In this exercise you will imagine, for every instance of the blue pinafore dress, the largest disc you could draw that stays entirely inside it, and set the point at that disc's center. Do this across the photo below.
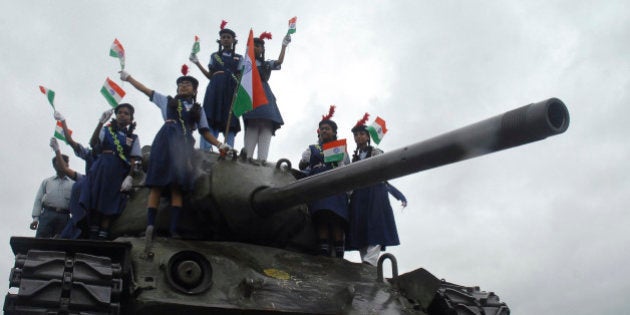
(220, 91)
(371, 216)
(338, 203)
(101, 190)
(270, 110)
(172, 149)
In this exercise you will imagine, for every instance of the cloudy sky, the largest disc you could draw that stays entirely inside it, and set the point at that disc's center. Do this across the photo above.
(541, 225)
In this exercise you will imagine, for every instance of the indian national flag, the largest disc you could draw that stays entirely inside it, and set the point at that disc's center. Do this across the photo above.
(196, 48)
(50, 95)
(334, 151)
(59, 132)
(112, 92)
(292, 23)
(117, 51)
(250, 92)
(377, 130)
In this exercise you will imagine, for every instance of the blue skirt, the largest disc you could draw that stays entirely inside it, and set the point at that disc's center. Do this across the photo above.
(170, 161)
(103, 185)
(371, 219)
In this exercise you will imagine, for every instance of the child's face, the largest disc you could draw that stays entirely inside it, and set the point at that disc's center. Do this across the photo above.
(186, 88)
(123, 116)
(227, 40)
(361, 138)
(259, 49)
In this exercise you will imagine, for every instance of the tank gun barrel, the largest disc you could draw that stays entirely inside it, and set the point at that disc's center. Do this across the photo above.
(522, 125)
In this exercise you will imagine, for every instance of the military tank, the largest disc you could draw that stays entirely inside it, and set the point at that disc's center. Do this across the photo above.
(248, 243)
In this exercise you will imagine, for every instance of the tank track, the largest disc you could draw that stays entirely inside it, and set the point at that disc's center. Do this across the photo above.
(58, 282)
(452, 299)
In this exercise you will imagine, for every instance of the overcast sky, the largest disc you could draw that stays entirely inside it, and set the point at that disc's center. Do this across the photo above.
(542, 225)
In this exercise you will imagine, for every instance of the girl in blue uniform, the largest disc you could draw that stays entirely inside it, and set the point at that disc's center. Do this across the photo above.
(330, 214)
(171, 152)
(372, 226)
(223, 69)
(262, 122)
(110, 175)
(77, 226)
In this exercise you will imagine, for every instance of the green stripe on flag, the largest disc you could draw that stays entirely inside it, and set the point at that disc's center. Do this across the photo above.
(110, 99)
(243, 102)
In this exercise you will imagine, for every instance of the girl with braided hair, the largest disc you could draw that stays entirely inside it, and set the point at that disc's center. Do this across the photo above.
(372, 226)
(223, 73)
(262, 122)
(170, 165)
(111, 173)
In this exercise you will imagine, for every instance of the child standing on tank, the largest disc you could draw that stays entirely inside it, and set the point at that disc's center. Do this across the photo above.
(170, 164)
(223, 71)
(111, 173)
(262, 122)
(77, 226)
(372, 226)
(330, 214)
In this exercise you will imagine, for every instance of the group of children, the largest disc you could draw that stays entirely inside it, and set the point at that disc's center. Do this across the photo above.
(362, 222)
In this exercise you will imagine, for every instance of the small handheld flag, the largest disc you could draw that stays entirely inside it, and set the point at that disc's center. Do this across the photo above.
(334, 151)
(50, 95)
(59, 132)
(377, 130)
(112, 92)
(292, 22)
(117, 51)
(196, 48)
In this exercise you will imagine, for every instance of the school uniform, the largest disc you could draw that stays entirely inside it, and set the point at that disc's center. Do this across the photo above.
(173, 145)
(108, 171)
(372, 226)
(220, 91)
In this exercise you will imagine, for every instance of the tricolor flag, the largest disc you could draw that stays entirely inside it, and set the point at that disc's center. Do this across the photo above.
(334, 151)
(117, 51)
(112, 92)
(292, 28)
(250, 92)
(196, 48)
(50, 95)
(59, 132)
(377, 130)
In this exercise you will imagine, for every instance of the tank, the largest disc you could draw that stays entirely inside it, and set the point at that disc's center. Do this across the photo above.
(248, 244)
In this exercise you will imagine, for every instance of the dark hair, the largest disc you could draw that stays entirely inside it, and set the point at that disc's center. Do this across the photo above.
(63, 156)
(132, 125)
(188, 78)
(231, 32)
(258, 41)
(128, 106)
(329, 122)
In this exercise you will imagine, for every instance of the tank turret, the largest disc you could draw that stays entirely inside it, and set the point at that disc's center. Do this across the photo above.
(237, 206)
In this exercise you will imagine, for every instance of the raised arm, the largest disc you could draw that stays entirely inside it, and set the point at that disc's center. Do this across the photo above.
(58, 116)
(193, 58)
(125, 76)
(285, 43)
(95, 140)
(61, 163)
